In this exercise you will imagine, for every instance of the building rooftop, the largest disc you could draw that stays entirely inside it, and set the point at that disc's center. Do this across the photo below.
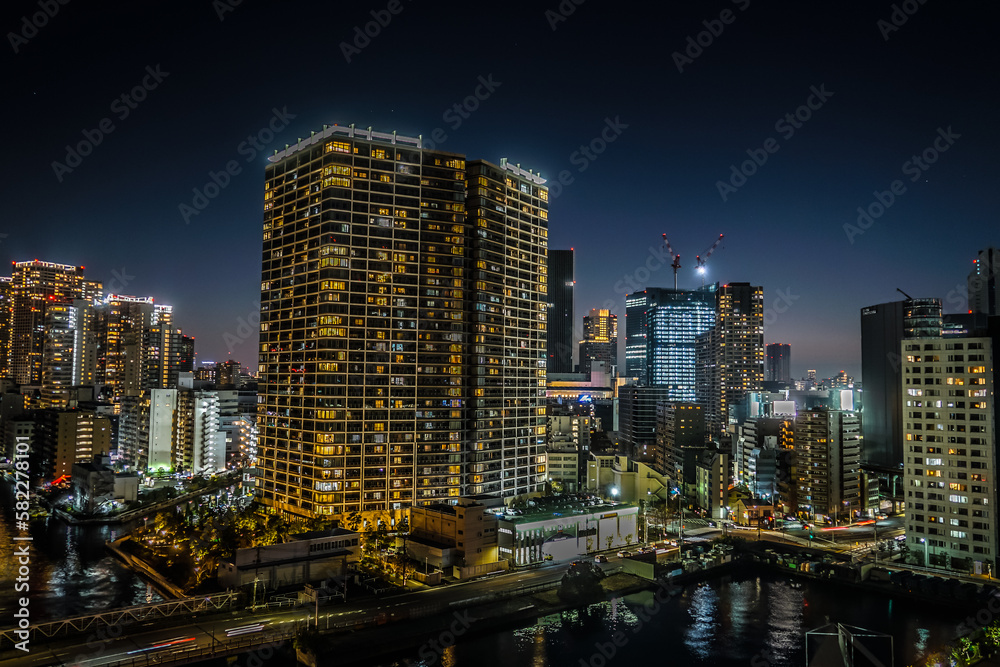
(567, 507)
(320, 534)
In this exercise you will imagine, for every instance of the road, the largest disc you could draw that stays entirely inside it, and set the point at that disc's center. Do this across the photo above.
(202, 631)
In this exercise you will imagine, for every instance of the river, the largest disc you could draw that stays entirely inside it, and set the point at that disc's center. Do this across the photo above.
(71, 573)
(732, 621)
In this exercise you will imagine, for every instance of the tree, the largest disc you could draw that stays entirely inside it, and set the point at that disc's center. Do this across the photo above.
(992, 634)
(609, 539)
(353, 521)
(628, 539)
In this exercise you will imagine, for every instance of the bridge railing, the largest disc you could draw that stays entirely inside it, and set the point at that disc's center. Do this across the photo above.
(124, 616)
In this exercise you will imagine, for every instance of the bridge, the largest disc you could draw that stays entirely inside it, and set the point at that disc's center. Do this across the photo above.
(123, 616)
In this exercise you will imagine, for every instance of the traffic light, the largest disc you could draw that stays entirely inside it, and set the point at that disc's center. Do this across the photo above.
(811, 534)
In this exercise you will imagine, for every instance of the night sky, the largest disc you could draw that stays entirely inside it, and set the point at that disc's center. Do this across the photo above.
(886, 93)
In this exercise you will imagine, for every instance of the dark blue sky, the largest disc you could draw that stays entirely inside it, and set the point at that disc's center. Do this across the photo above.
(118, 210)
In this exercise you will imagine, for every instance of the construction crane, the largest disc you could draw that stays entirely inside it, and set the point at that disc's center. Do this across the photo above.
(675, 259)
(700, 262)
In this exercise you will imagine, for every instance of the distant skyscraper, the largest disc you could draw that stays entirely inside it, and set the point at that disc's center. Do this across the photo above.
(600, 340)
(404, 362)
(35, 285)
(984, 297)
(185, 357)
(561, 287)
(227, 374)
(779, 362)
(667, 322)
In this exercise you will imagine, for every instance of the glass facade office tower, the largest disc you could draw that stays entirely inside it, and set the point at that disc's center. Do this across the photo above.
(403, 322)
(561, 287)
(668, 322)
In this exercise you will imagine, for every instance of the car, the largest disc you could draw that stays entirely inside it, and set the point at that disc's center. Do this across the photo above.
(547, 557)
(711, 524)
(601, 559)
(624, 554)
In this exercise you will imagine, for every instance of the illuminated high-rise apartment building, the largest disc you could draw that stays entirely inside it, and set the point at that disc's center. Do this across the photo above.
(402, 342)
(34, 287)
(600, 340)
(69, 352)
(740, 327)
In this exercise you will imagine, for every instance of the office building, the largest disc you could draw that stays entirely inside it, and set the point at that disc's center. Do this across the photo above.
(662, 327)
(883, 328)
(680, 440)
(600, 340)
(567, 449)
(984, 298)
(951, 457)
(560, 291)
(403, 324)
(637, 406)
(779, 363)
(444, 535)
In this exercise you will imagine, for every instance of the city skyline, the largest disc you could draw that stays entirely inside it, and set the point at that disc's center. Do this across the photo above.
(861, 91)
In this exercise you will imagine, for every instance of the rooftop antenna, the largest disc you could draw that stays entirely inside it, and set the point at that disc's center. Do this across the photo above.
(904, 294)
